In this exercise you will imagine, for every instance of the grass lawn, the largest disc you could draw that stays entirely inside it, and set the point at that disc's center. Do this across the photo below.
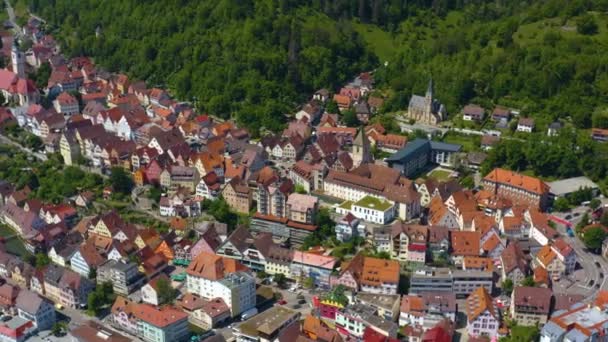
(469, 142)
(533, 33)
(381, 42)
(15, 245)
(440, 175)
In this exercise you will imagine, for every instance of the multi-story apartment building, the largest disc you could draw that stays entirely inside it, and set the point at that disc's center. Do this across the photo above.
(302, 208)
(465, 282)
(530, 306)
(314, 266)
(272, 199)
(124, 276)
(460, 282)
(519, 188)
(211, 276)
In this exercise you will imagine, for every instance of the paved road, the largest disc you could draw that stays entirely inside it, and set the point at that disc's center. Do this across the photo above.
(586, 259)
(7, 141)
(12, 18)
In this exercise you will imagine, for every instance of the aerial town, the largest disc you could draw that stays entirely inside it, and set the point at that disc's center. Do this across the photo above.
(128, 215)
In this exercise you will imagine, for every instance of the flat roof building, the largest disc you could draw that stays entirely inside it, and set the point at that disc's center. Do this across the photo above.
(266, 326)
(565, 187)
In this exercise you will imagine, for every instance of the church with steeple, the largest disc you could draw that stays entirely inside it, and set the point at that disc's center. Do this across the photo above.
(361, 152)
(14, 84)
(426, 109)
(17, 60)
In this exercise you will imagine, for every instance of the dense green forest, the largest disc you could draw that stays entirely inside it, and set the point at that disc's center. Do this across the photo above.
(256, 59)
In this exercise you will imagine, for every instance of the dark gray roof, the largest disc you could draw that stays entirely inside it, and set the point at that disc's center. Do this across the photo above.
(411, 149)
(53, 274)
(438, 145)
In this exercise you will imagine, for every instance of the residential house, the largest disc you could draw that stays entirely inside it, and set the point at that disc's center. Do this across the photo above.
(482, 317)
(525, 125)
(464, 244)
(39, 310)
(86, 259)
(278, 260)
(301, 208)
(74, 289)
(205, 314)
(149, 292)
(599, 134)
(514, 263)
(530, 306)
(348, 227)
(66, 104)
(473, 112)
(369, 275)
(238, 195)
(427, 308)
(354, 319)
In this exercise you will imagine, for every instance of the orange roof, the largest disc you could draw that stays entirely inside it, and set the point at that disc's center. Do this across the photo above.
(342, 100)
(336, 130)
(546, 255)
(159, 317)
(377, 271)
(465, 243)
(437, 211)
(214, 267)
(517, 180)
(478, 302)
(471, 262)
(491, 243)
(178, 223)
(541, 276)
(484, 223)
(412, 304)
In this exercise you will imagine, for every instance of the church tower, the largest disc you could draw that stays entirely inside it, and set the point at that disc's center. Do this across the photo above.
(18, 60)
(428, 98)
(361, 153)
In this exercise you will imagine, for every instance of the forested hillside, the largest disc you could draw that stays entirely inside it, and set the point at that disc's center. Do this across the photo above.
(256, 59)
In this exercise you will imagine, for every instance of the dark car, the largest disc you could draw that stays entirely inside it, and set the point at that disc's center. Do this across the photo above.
(597, 286)
(591, 282)
(568, 217)
(597, 264)
(601, 275)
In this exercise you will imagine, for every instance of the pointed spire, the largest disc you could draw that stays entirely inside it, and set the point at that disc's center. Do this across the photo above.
(429, 89)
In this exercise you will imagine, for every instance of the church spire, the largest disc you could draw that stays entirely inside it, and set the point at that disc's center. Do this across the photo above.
(361, 153)
(17, 60)
(429, 89)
